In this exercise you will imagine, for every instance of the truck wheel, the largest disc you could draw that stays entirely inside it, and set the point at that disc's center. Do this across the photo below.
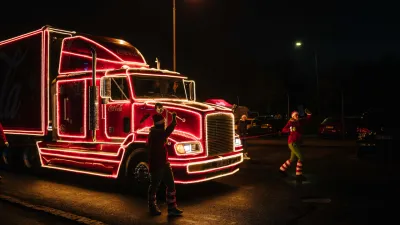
(5, 156)
(138, 173)
(30, 158)
(9, 158)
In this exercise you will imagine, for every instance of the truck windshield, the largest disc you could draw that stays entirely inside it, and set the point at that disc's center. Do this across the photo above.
(158, 87)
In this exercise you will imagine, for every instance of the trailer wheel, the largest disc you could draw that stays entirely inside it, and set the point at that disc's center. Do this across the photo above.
(138, 173)
(30, 158)
(9, 158)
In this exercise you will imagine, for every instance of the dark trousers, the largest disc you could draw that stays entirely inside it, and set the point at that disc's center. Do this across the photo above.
(244, 143)
(166, 176)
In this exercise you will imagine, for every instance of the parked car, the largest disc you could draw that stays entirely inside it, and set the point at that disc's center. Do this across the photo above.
(260, 125)
(333, 127)
(377, 134)
(266, 124)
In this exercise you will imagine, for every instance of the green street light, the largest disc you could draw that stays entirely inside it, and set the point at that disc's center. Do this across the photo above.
(298, 44)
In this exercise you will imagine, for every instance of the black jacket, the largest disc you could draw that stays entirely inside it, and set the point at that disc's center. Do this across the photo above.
(242, 128)
(156, 144)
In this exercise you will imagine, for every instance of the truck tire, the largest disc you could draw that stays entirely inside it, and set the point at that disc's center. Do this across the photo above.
(7, 157)
(3, 162)
(30, 158)
(137, 171)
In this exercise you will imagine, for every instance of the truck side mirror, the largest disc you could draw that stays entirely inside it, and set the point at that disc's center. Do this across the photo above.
(190, 89)
(234, 107)
(105, 88)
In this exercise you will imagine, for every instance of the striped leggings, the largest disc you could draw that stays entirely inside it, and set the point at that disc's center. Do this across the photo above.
(295, 153)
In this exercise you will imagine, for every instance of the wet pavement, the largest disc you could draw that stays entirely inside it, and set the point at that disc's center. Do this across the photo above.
(341, 190)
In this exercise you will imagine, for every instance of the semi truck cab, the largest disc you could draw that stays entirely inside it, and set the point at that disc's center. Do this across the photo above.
(92, 112)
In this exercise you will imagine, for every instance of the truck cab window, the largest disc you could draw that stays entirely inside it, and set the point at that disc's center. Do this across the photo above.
(158, 87)
(119, 88)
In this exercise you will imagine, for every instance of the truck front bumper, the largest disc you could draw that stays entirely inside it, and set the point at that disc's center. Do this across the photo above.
(187, 172)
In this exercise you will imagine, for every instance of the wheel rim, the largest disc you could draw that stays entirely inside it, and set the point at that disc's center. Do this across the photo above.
(141, 173)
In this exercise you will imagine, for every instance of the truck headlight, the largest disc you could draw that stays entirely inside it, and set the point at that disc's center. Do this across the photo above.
(238, 142)
(187, 148)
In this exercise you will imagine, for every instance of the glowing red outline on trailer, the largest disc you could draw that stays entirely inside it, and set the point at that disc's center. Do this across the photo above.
(42, 92)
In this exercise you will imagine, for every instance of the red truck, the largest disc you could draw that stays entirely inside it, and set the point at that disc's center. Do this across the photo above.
(79, 103)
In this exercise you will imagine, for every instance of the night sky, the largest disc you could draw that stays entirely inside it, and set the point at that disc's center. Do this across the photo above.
(226, 45)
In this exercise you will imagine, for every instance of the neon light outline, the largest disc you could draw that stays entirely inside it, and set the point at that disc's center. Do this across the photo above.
(83, 158)
(233, 128)
(207, 179)
(102, 47)
(214, 160)
(84, 109)
(131, 137)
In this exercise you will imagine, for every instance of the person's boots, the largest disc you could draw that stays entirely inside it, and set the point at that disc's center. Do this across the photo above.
(175, 211)
(154, 210)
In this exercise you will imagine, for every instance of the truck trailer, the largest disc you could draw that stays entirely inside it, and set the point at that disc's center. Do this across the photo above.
(76, 102)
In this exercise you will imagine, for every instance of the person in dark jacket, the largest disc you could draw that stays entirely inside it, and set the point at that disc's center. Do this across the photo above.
(3, 137)
(160, 169)
(294, 127)
(242, 128)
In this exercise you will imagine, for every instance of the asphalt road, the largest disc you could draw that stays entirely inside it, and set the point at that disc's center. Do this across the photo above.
(14, 214)
(341, 190)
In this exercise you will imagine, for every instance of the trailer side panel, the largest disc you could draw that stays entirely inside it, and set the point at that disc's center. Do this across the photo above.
(21, 84)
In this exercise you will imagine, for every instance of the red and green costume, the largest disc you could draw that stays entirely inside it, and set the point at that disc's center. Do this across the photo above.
(294, 128)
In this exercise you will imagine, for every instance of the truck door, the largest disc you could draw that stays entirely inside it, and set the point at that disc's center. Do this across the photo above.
(72, 108)
(117, 112)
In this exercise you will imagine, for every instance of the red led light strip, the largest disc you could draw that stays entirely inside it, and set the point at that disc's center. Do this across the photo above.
(44, 77)
(187, 165)
(114, 175)
(206, 179)
(84, 107)
(121, 61)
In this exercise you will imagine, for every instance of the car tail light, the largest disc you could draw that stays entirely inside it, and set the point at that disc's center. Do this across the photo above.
(363, 130)
(363, 133)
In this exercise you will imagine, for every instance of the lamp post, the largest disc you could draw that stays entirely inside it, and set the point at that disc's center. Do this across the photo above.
(298, 44)
(174, 32)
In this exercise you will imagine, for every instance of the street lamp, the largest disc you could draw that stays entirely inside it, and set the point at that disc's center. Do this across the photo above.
(174, 32)
(298, 44)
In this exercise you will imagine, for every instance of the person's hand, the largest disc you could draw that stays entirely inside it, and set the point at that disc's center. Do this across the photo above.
(307, 111)
(6, 143)
(173, 116)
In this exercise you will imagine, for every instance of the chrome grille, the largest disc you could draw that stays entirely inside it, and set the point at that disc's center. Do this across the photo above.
(220, 133)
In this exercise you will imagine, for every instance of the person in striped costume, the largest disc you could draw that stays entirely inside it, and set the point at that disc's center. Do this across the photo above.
(294, 128)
